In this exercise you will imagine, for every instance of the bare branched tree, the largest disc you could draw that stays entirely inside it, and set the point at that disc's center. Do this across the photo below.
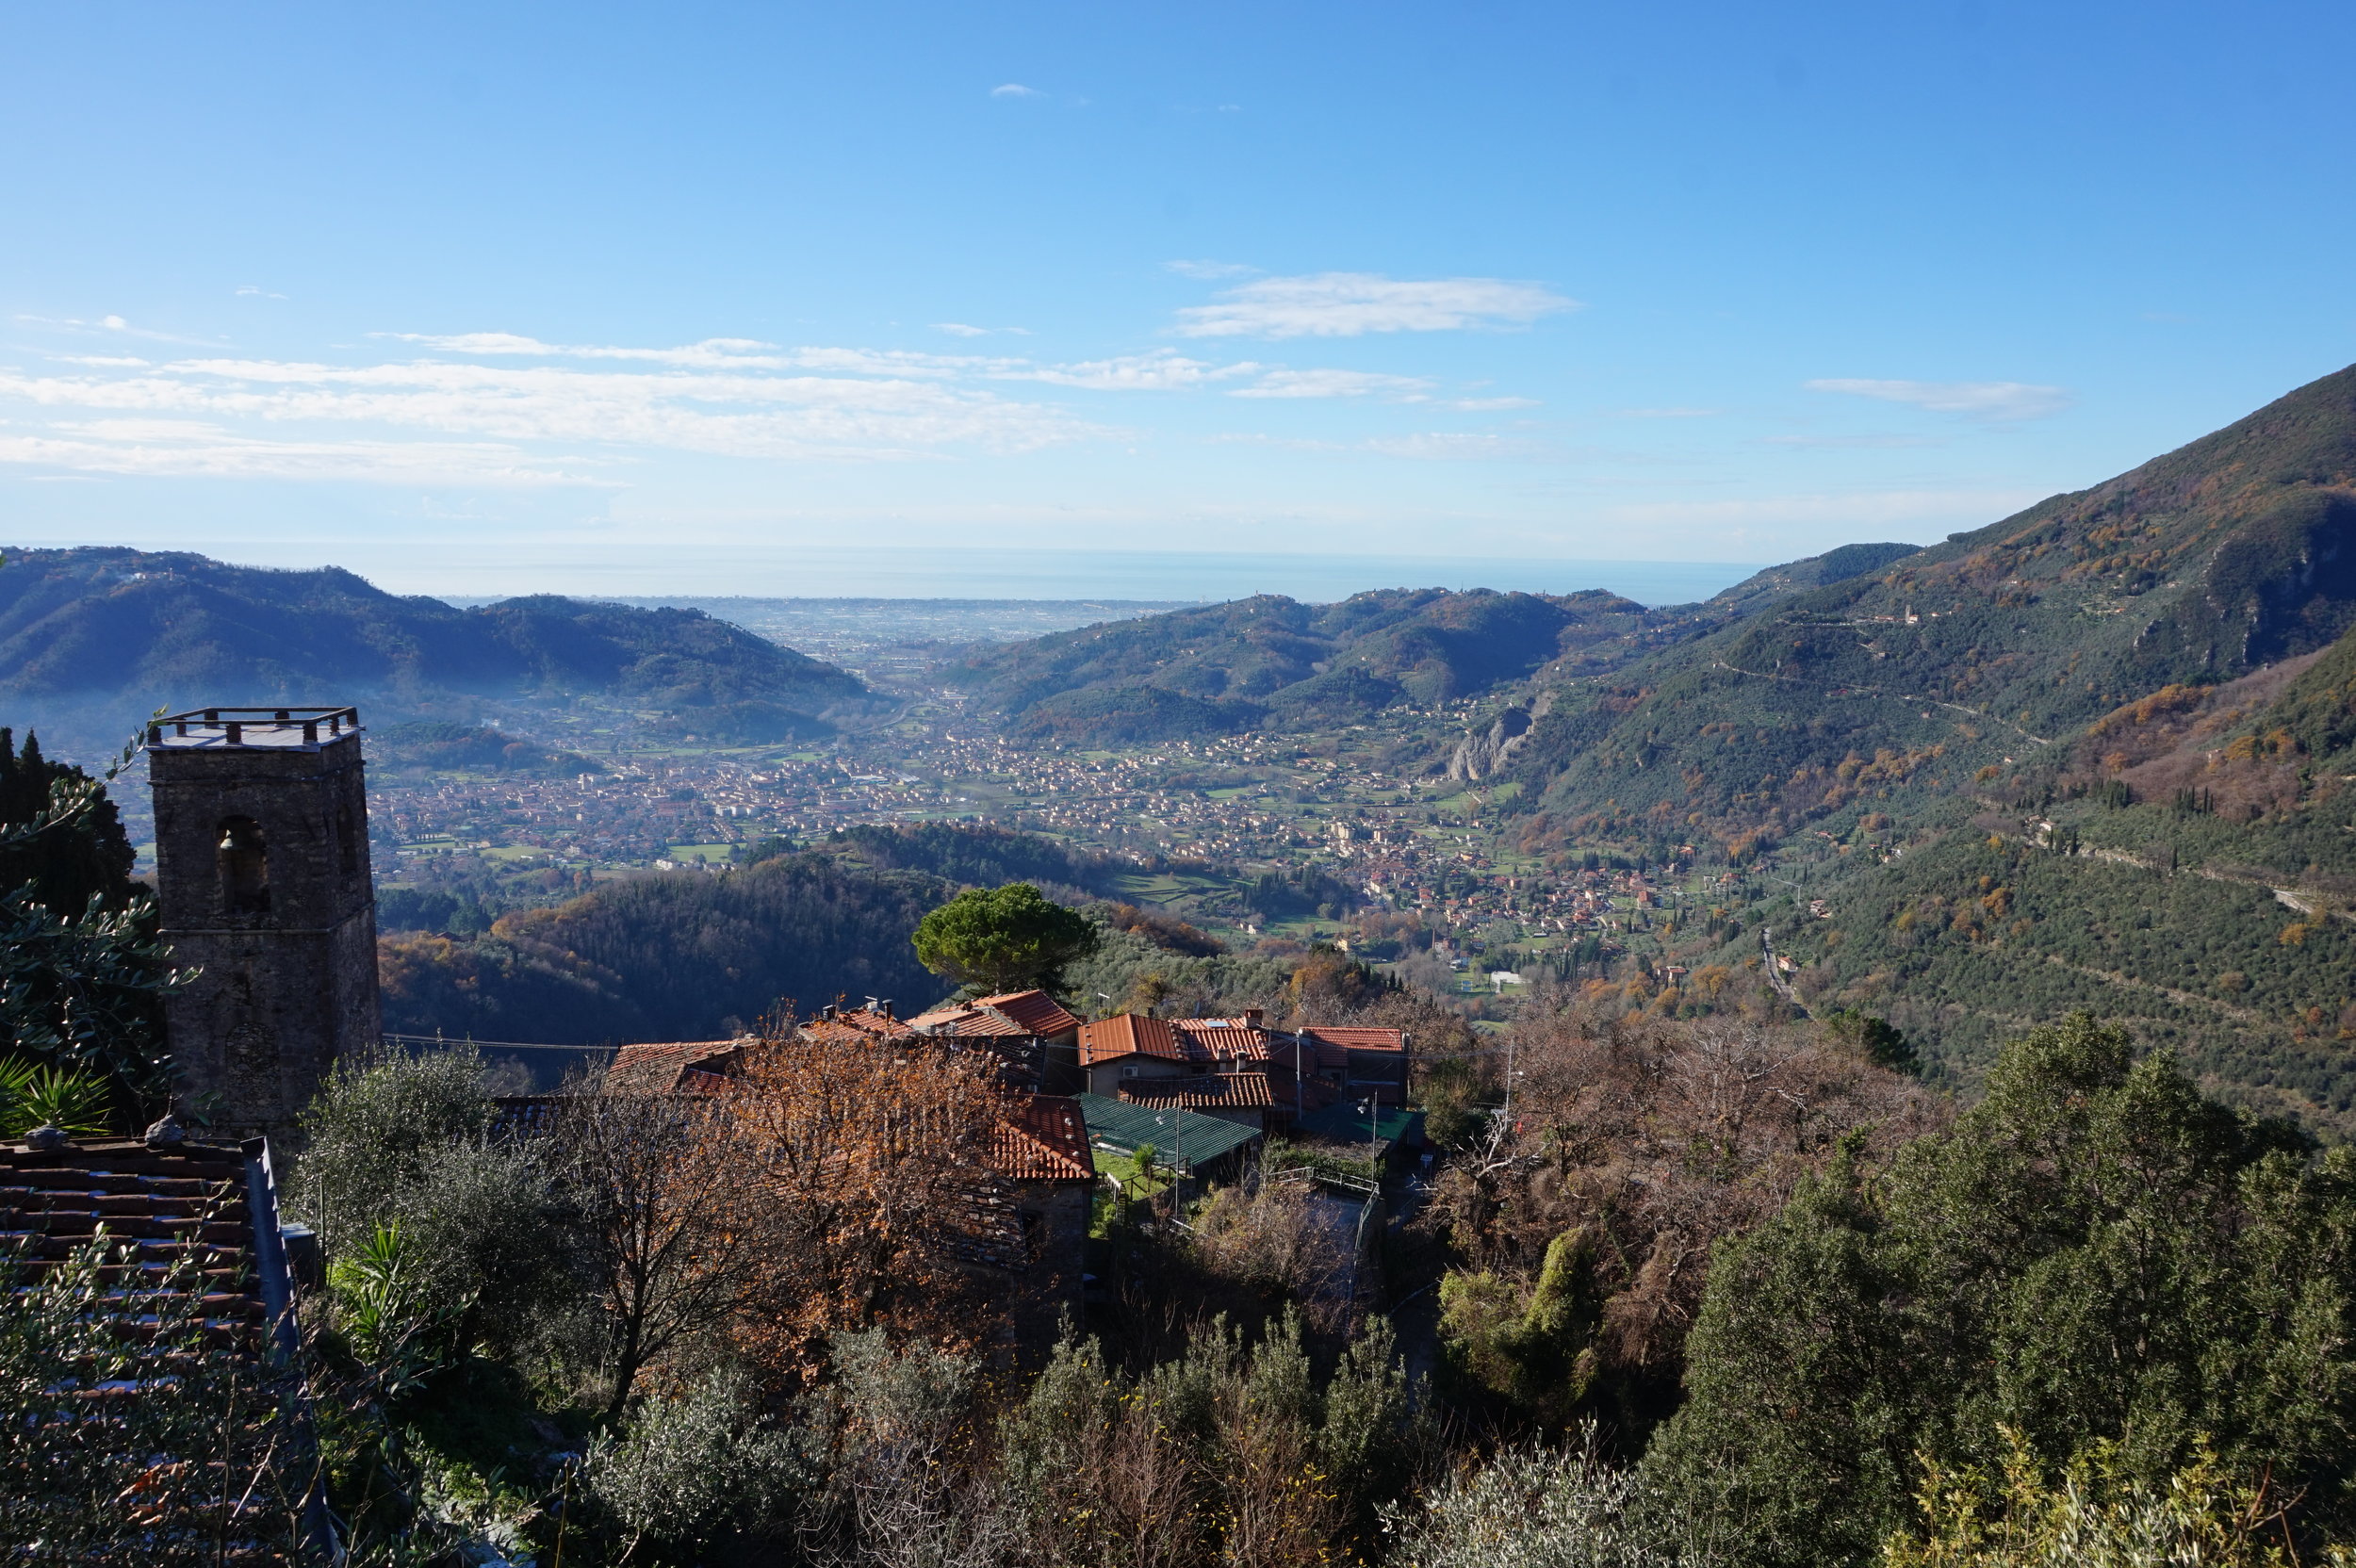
(665, 1195)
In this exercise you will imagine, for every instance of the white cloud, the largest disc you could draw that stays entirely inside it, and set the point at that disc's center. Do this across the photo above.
(1669, 413)
(733, 351)
(190, 449)
(1336, 383)
(1162, 370)
(1345, 304)
(1211, 271)
(1490, 405)
(109, 324)
(1978, 400)
(737, 410)
(259, 292)
(959, 329)
(1015, 90)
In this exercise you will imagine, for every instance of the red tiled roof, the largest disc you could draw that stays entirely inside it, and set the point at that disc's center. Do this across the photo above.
(664, 1069)
(853, 1025)
(1034, 1012)
(1354, 1037)
(1043, 1137)
(967, 1023)
(1129, 1035)
(1220, 1091)
(874, 1022)
(1224, 1038)
(183, 1205)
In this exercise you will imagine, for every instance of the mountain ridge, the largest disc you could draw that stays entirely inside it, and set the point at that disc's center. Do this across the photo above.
(95, 623)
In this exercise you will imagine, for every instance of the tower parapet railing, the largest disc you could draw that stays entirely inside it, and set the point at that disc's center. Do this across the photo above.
(261, 728)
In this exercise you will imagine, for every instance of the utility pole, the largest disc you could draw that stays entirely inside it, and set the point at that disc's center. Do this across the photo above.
(1511, 1039)
(1178, 1156)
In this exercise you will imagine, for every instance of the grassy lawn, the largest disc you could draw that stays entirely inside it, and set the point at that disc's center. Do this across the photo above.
(1123, 1170)
(702, 852)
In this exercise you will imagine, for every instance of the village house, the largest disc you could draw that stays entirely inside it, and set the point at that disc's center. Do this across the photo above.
(1037, 1041)
(1239, 1067)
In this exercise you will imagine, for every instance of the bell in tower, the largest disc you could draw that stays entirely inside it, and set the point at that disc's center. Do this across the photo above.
(262, 881)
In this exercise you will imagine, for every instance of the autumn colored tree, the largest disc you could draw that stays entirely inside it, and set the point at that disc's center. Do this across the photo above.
(873, 1192)
(1003, 939)
(1635, 1145)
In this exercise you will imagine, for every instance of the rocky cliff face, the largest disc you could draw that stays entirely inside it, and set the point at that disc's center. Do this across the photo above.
(1484, 753)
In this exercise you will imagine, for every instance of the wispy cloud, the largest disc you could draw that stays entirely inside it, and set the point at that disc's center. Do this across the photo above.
(1336, 383)
(1209, 271)
(1669, 413)
(1976, 400)
(962, 329)
(196, 449)
(508, 409)
(351, 414)
(256, 291)
(115, 325)
(1161, 371)
(1348, 305)
(1015, 90)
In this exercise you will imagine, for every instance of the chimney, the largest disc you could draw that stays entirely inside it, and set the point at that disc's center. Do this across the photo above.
(1253, 1016)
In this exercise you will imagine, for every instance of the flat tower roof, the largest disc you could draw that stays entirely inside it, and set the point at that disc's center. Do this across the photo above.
(253, 728)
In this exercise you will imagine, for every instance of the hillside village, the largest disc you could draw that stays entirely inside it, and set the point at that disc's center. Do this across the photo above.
(1159, 1109)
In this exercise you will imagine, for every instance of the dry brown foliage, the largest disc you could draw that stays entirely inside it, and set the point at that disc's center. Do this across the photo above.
(1273, 1240)
(875, 1193)
(1657, 1137)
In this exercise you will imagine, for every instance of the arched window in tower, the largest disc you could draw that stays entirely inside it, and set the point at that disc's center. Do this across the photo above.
(244, 862)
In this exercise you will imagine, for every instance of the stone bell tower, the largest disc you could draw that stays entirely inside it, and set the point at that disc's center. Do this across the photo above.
(262, 881)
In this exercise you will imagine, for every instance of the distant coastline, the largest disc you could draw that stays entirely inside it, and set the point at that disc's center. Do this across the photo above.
(1125, 578)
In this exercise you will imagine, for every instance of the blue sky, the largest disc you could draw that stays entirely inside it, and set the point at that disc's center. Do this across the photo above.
(484, 298)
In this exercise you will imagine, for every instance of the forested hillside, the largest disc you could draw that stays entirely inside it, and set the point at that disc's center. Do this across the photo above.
(687, 956)
(142, 627)
(2093, 756)
(1270, 660)
(1227, 668)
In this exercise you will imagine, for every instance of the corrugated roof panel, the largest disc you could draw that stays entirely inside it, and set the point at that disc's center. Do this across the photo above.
(1172, 1133)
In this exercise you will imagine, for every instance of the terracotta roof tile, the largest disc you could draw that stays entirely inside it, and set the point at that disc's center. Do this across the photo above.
(969, 1023)
(1355, 1037)
(1043, 1137)
(1034, 1011)
(190, 1204)
(1220, 1039)
(664, 1069)
(1129, 1035)
(1219, 1090)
